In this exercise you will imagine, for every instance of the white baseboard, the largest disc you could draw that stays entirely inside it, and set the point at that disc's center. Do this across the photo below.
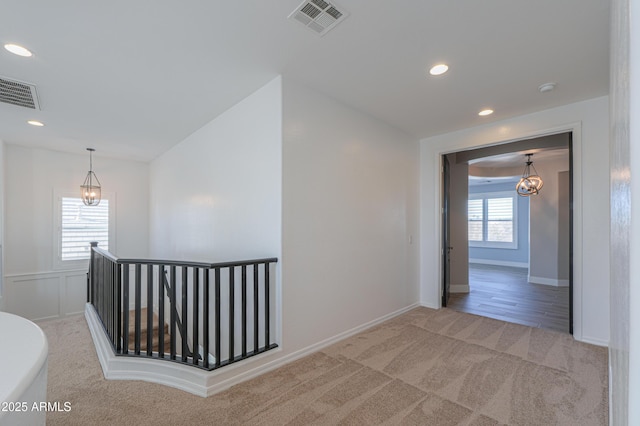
(331, 340)
(307, 351)
(500, 263)
(459, 288)
(548, 281)
(429, 305)
(594, 341)
(194, 380)
(167, 373)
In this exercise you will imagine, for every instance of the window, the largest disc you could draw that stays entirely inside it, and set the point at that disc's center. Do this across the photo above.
(81, 225)
(492, 220)
(77, 225)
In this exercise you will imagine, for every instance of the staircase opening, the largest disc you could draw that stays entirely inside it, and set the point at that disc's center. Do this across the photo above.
(204, 315)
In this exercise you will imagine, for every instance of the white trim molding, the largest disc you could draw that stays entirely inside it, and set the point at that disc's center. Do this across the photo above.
(500, 263)
(548, 281)
(194, 380)
(459, 288)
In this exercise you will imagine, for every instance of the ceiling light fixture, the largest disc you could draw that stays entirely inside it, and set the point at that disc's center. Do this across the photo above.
(35, 123)
(439, 69)
(485, 112)
(18, 50)
(90, 190)
(547, 87)
(529, 184)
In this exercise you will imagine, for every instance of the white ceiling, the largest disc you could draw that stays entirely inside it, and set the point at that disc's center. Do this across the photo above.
(133, 78)
(519, 158)
(508, 168)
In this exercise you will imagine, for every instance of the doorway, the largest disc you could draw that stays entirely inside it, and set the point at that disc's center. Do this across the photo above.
(503, 257)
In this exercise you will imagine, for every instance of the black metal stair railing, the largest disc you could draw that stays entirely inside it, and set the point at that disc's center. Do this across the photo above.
(174, 315)
(207, 315)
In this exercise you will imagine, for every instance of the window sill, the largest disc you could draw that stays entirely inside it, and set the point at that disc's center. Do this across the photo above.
(503, 246)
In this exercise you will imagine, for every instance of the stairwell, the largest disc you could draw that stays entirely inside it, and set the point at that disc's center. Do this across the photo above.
(144, 332)
(200, 331)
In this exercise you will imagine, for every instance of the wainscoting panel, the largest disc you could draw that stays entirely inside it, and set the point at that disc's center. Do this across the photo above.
(45, 295)
(74, 293)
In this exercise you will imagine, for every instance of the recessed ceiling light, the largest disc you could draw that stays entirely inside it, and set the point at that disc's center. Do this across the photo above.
(36, 123)
(18, 50)
(485, 112)
(438, 69)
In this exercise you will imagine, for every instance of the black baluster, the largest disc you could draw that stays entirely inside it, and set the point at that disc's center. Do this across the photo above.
(244, 311)
(196, 321)
(183, 331)
(112, 296)
(90, 277)
(149, 310)
(256, 332)
(118, 309)
(267, 311)
(125, 303)
(206, 317)
(173, 309)
(107, 300)
(217, 313)
(138, 309)
(232, 315)
(100, 288)
(161, 311)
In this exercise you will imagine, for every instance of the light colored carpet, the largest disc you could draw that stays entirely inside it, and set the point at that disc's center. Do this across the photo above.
(425, 367)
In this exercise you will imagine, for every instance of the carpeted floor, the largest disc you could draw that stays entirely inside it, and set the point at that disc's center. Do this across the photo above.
(425, 367)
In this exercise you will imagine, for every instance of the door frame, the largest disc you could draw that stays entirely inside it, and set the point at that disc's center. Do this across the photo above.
(446, 231)
(431, 271)
(446, 194)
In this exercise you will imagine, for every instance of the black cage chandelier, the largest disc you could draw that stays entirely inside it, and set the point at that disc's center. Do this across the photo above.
(90, 190)
(530, 184)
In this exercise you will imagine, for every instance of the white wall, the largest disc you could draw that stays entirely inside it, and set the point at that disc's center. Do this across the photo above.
(589, 122)
(216, 196)
(290, 173)
(544, 226)
(624, 350)
(633, 314)
(349, 218)
(33, 286)
(2, 184)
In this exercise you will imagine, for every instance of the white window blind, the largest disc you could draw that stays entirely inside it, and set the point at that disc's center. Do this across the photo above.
(475, 220)
(492, 220)
(81, 225)
(500, 219)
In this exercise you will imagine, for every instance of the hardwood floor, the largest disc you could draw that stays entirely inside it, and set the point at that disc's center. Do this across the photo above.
(503, 293)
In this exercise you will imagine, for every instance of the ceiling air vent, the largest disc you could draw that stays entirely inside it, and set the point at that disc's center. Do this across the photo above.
(319, 15)
(18, 93)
